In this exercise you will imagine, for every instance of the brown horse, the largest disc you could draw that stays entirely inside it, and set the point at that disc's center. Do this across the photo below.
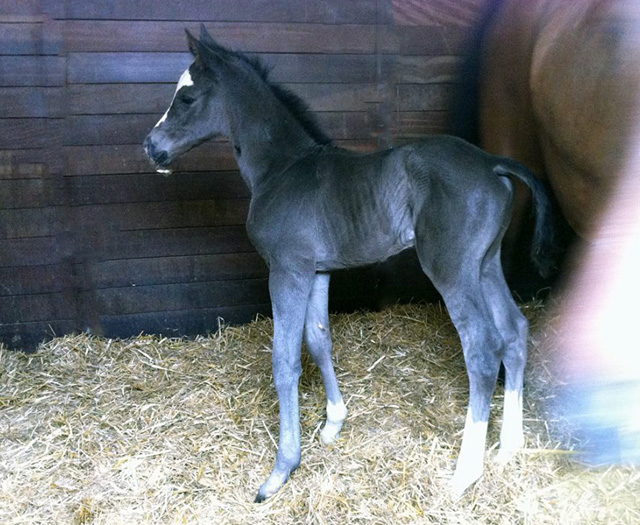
(558, 90)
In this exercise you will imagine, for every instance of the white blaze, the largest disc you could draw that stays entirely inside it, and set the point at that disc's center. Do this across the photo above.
(185, 80)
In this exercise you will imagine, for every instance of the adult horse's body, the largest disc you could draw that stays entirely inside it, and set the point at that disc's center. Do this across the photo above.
(315, 208)
(559, 90)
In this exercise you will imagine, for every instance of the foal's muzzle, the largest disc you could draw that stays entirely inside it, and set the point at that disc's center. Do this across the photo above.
(159, 157)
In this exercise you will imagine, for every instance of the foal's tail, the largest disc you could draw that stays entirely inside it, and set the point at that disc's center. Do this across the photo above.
(542, 245)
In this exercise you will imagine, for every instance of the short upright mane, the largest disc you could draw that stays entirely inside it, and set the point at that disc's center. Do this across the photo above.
(298, 107)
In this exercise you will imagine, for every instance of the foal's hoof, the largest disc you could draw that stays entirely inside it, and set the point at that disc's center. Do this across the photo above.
(336, 414)
(274, 483)
(462, 480)
(506, 454)
(330, 432)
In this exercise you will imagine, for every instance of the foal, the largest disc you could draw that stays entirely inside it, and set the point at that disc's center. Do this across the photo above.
(316, 208)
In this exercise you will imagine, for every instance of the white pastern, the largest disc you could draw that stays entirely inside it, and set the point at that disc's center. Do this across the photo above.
(511, 434)
(336, 414)
(471, 458)
(185, 81)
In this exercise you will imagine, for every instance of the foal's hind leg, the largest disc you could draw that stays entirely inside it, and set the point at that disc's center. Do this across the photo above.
(455, 272)
(482, 348)
(317, 336)
(514, 328)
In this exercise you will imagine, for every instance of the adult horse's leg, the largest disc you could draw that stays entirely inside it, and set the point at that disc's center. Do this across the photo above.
(514, 329)
(317, 336)
(289, 292)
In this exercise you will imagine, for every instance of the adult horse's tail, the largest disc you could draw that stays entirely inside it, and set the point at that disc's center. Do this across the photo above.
(543, 248)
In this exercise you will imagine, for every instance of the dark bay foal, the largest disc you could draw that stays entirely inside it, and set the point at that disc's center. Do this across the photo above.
(316, 208)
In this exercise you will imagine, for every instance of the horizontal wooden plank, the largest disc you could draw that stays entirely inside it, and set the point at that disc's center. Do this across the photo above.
(104, 189)
(211, 156)
(35, 251)
(18, 71)
(27, 336)
(31, 102)
(104, 160)
(29, 222)
(96, 68)
(131, 129)
(29, 133)
(417, 124)
(157, 36)
(181, 323)
(30, 38)
(315, 11)
(427, 69)
(26, 11)
(30, 163)
(424, 97)
(176, 242)
(431, 40)
(163, 215)
(184, 296)
(179, 269)
(89, 130)
(29, 280)
(29, 193)
(30, 308)
(106, 99)
(437, 12)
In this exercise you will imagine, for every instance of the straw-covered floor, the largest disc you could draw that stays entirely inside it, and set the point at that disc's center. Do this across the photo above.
(151, 430)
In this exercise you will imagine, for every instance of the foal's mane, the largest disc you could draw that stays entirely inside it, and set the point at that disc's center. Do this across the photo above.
(298, 107)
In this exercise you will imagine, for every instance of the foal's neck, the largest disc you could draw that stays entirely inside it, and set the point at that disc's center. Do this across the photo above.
(267, 139)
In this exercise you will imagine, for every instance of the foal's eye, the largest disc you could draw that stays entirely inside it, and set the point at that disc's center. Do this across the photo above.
(187, 99)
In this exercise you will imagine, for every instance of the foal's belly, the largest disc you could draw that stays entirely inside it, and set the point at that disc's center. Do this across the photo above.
(349, 251)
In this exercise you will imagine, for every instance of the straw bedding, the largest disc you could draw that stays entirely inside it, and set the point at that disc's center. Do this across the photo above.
(151, 430)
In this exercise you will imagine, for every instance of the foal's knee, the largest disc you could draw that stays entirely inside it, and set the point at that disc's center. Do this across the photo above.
(286, 371)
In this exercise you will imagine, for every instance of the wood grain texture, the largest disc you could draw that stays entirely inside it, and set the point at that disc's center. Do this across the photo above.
(316, 11)
(275, 37)
(18, 71)
(437, 12)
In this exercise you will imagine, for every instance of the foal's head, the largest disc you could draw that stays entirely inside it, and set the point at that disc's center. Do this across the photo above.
(223, 92)
(196, 112)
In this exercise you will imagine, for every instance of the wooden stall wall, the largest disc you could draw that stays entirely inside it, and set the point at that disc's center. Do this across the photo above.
(91, 238)
(36, 297)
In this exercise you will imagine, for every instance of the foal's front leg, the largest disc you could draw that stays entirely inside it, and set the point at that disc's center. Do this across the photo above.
(289, 296)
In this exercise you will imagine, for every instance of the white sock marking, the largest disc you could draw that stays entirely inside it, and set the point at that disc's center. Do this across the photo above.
(471, 458)
(336, 414)
(511, 435)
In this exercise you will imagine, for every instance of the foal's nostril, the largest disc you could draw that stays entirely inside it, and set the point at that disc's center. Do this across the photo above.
(157, 156)
(161, 157)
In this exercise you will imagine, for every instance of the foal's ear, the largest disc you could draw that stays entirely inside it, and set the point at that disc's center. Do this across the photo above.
(193, 43)
(205, 55)
(206, 38)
